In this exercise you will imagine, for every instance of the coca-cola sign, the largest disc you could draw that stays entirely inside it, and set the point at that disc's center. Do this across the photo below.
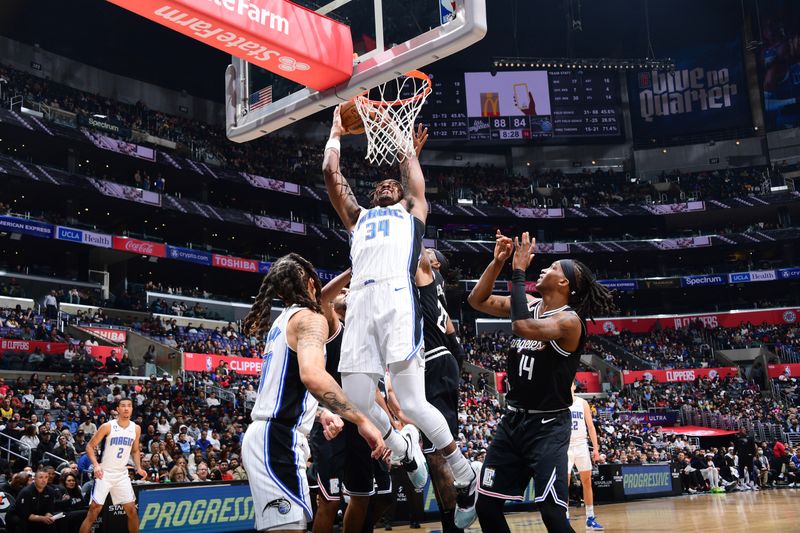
(136, 246)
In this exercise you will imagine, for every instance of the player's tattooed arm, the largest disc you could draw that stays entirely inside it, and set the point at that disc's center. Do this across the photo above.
(413, 179)
(311, 331)
(339, 191)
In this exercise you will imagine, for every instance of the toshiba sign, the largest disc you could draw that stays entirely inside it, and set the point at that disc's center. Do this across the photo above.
(276, 35)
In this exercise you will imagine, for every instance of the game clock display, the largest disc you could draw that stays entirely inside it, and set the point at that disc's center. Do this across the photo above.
(524, 105)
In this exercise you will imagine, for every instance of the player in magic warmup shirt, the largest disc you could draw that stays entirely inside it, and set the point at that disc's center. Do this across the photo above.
(578, 454)
(121, 437)
(384, 328)
(293, 379)
(532, 438)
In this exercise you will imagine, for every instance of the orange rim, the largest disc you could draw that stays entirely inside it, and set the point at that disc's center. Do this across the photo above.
(402, 101)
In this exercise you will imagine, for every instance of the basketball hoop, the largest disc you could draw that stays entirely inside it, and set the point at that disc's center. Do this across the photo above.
(389, 119)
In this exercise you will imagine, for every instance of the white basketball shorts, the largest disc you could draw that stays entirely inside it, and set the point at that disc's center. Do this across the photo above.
(384, 326)
(118, 484)
(578, 455)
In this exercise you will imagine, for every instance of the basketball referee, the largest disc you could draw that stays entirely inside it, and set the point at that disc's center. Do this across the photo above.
(532, 438)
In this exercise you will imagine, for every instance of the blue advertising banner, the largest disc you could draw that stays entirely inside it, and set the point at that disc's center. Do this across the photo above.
(646, 479)
(624, 285)
(779, 63)
(187, 254)
(196, 509)
(26, 227)
(788, 273)
(64, 233)
(707, 279)
(705, 92)
(757, 275)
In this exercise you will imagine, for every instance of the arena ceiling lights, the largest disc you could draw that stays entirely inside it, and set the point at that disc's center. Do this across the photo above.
(602, 63)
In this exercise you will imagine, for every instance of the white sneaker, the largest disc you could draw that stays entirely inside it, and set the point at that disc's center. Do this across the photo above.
(416, 466)
(466, 498)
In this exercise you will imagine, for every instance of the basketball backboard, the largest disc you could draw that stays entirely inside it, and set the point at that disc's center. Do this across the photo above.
(390, 38)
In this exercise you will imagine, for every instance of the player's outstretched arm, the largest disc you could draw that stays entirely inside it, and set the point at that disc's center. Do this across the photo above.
(339, 191)
(481, 297)
(413, 179)
(329, 292)
(310, 331)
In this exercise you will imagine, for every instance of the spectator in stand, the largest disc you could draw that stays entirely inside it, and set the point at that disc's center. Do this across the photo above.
(37, 504)
(51, 305)
(202, 473)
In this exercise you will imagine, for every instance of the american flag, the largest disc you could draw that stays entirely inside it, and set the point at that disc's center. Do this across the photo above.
(261, 98)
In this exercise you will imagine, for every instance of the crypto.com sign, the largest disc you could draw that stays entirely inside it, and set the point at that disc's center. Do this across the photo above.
(276, 35)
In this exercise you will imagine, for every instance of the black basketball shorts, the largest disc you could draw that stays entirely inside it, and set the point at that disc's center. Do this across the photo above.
(343, 465)
(528, 446)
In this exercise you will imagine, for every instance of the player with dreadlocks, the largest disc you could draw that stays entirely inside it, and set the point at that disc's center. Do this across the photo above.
(293, 380)
(533, 437)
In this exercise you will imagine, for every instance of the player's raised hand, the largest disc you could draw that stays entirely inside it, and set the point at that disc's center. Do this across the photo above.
(503, 246)
(337, 130)
(523, 252)
(420, 138)
(332, 424)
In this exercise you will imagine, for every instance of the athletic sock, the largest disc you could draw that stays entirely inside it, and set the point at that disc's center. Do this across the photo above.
(448, 522)
(462, 471)
(398, 444)
(590, 511)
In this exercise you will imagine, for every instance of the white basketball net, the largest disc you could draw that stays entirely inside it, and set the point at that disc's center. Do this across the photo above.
(389, 120)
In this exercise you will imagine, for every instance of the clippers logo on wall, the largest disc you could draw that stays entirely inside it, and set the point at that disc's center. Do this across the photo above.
(706, 91)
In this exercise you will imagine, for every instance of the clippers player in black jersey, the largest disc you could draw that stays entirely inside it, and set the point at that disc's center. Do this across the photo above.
(532, 438)
(441, 378)
(343, 464)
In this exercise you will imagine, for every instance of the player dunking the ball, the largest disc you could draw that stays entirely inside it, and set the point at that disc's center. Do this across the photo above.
(121, 437)
(384, 328)
(533, 437)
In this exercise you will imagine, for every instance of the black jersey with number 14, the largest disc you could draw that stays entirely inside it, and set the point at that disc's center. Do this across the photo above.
(540, 373)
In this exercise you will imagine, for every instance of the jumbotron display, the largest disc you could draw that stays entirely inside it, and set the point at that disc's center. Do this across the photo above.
(524, 105)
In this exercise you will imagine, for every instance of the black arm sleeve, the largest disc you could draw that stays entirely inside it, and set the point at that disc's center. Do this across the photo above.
(456, 349)
(519, 301)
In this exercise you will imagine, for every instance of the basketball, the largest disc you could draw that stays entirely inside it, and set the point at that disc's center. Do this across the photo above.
(351, 120)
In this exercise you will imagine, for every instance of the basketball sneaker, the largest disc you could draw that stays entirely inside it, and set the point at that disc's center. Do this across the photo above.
(416, 466)
(466, 497)
(592, 525)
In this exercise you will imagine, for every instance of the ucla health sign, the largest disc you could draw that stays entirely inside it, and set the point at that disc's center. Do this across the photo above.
(64, 233)
(757, 275)
(709, 279)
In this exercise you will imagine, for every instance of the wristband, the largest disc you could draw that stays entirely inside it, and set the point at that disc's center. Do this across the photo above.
(519, 301)
(334, 144)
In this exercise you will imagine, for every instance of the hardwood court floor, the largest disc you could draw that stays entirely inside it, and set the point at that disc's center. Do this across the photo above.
(772, 510)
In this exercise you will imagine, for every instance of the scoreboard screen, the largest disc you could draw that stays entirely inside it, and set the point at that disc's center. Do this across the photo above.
(524, 105)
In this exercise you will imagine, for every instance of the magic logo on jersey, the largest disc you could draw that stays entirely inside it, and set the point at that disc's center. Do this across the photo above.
(120, 441)
(381, 212)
